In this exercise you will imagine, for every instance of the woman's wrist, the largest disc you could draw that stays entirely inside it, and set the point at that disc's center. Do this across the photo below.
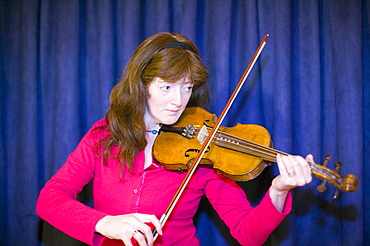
(279, 192)
(100, 225)
(278, 198)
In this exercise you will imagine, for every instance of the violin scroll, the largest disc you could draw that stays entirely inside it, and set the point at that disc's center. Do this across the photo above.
(348, 184)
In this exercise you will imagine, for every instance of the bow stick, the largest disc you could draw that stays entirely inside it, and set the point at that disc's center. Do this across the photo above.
(210, 136)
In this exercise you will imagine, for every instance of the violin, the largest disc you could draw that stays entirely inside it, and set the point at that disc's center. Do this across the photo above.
(240, 153)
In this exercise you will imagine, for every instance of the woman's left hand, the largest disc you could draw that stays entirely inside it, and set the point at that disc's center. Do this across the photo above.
(294, 171)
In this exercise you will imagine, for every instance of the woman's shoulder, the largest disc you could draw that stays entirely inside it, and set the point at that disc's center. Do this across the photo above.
(97, 131)
(100, 123)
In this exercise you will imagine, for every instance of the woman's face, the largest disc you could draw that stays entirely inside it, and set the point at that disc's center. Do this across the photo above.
(167, 101)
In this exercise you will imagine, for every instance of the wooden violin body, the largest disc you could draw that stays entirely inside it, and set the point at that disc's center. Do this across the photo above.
(176, 152)
(240, 152)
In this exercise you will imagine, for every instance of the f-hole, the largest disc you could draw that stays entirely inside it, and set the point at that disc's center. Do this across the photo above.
(195, 151)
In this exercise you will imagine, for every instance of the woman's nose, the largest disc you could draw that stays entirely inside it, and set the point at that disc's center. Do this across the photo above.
(177, 98)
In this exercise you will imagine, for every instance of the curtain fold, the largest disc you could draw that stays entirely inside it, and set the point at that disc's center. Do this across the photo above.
(310, 88)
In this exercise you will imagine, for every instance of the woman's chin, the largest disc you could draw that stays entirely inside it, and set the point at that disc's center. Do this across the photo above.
(170, 121)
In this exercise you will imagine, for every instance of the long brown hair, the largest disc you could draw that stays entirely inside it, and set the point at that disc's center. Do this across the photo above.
(128, 99)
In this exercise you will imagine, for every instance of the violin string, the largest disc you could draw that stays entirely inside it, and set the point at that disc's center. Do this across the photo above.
(258, 149)
(251, 147)
(267, 153)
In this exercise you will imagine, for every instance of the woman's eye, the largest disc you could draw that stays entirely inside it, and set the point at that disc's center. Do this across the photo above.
(166, 88)
(188, 87)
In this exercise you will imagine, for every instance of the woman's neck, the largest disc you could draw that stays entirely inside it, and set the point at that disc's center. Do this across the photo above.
(150, 138)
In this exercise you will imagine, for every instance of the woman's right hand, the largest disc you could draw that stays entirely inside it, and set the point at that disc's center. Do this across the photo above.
(125, 227)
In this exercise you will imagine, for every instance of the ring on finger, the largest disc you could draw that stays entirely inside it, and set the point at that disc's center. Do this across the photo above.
(291, 174)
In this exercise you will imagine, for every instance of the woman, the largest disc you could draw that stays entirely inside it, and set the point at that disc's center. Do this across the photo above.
(163, 77)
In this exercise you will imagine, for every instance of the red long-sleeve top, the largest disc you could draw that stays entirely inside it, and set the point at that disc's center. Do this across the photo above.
(148, 191)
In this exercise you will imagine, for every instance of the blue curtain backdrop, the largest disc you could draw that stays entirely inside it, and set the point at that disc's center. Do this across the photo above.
(310, 89)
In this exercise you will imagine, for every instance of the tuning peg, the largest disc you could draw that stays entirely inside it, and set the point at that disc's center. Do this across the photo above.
(322, 187)
(336, 195)
(338, 165)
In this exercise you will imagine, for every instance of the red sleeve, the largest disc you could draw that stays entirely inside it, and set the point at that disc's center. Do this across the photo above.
(249, 225)
(57, 202)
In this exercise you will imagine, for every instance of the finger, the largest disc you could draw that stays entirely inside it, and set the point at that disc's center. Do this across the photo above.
(285, 166)
(126, 241)
(133, 225)
(155, 222)
(281, 166)
(297, 169)
(151, 222)
(307, 169)
(148, 223)
(141, 239)
(302, 169)
(145, 237)
(309, 158)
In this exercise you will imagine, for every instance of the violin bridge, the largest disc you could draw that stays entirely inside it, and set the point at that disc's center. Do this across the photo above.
(203, 134)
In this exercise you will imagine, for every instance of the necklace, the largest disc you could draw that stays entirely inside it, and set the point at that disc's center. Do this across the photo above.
(152, 131)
